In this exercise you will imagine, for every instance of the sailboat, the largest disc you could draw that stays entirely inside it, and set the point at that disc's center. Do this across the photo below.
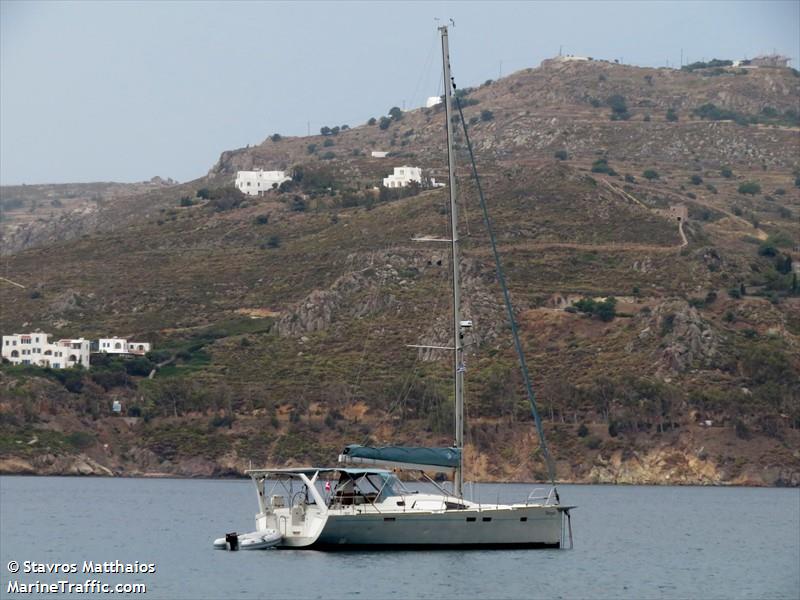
(363, 503)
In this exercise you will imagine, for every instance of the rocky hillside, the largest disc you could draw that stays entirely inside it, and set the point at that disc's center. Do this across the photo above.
(40, 214)
(661, 351)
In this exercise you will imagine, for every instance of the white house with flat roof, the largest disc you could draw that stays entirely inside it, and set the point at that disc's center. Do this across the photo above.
(121, 346)
(37, 350)
(403, 176)
(433, 101)
(254, 183)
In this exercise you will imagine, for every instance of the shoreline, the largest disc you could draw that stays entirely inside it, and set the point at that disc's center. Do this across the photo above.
(175, 476)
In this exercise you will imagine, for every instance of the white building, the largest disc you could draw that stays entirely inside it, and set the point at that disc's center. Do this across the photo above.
(254, 183)
(572, 58)
(379, 154)
(433, 101)
(121, 346)
(36, 349)
(403, 176)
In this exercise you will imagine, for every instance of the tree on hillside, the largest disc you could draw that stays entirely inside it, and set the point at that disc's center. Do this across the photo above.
(619, 108)
(672, 115)
(749, 187)
(395, 113)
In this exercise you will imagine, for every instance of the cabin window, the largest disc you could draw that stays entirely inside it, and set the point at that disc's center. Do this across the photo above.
(523, 519)
(486, 519)
(389, 519)
(471, 519)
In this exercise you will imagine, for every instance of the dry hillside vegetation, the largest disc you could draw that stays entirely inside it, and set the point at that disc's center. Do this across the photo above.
(660, 354)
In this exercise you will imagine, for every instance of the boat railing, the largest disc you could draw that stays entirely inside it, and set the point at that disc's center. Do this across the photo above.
(282, 525)
(539, 494)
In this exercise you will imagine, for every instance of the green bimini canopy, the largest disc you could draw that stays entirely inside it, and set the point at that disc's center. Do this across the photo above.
(441, 460)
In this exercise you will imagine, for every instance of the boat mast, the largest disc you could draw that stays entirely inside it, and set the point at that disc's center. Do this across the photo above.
(458, 346)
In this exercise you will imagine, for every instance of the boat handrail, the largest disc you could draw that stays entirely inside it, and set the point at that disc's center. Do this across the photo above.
(548, 498)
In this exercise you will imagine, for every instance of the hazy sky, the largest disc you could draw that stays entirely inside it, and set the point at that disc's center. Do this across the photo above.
(123, 91)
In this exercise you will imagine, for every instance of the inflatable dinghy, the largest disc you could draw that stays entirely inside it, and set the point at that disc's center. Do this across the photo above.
(257, 540)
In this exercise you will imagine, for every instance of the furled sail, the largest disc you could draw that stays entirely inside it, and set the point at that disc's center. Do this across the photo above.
(442, 460)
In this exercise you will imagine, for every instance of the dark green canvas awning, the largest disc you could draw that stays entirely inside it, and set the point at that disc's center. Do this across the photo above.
(442, 460)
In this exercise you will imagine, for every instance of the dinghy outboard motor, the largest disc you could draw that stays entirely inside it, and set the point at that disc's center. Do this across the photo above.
(257, 540)
(232, 541)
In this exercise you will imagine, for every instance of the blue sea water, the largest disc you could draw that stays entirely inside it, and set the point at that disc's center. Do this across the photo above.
(630, 542)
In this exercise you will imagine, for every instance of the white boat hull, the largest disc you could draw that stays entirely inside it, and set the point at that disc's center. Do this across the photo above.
(531, 526)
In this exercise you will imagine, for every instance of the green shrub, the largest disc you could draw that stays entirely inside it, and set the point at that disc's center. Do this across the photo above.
(372, 121)
(111, 377)
(583, 430)
(276, 137)
(204, 193)
(672, 115)
(187, 201)
(593, 442)
(619, 108)
(487, 115)
(328, 156)
(157, 356)
(274, 241)
(713, 63)
(767, 248)
(311, 148)
(630, 178)
(726, 172)
(325, 130)
(560, 154)
(298, 204)
(696, 180)
(650, 174)
(80, 439)
(601, 166)
(262, 219)
(328, 143)
(139, 366)
(384, 123)
(604, 310)
(226, 198)
(222, 421)
(749, 187)
(713, 112)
